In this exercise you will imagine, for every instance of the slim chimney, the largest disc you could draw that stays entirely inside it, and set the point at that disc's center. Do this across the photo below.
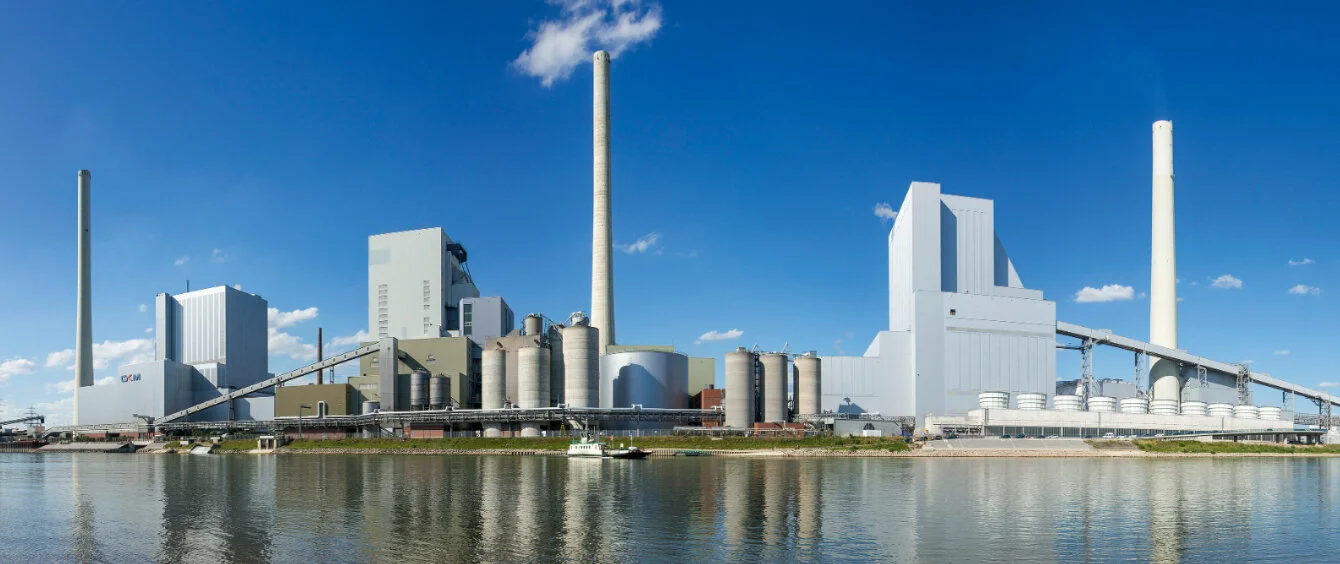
(83, 321)
(319, 358)
(1163, 375)
(602, 261)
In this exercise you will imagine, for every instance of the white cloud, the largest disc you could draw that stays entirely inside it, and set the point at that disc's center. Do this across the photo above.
(351, 340)
(16, 366)
(1227, 281)
(280, 319)
(217, 256)
(641, 245)
(561, 45)
(1284, 352)
(237, 287)
(885, 212)
(60, 358)
(148, 329)
(1195, 282)
(144, 308)
(1328, 384)
(281, 343)
(181, 261)
(1247, 362)
(129, 351)
(1305, 290)
(718, 336)
(1108, 293)
(1301, 262)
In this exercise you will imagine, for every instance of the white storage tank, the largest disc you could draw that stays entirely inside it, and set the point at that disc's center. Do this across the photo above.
(1196, 408)
(1220, 409)
(418, 389)
(808, 385)
(581, 368)
(532, 383)
(740, 388)
(1246, 412)
(493, 386)
(1134, 405)
(1029, 401)
(370, 407)
(533, 324)
(1105, 404)
(1269, 413)
(774, 387)
(1163, 407)
(993, 400)
(1067, 402)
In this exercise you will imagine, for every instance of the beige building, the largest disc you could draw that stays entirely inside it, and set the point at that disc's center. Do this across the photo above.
(327, 399)
(452, 357)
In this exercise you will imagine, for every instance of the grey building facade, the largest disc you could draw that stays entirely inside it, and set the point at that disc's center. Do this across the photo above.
(484, 318)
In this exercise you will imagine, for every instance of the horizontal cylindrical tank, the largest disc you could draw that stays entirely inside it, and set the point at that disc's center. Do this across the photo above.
(1220, 409)
(1196, 408)
(370, 407)
(1163, 406)
(1134, 405)
(438, 392)
(532, 378)
(533, 324)
(581, 368)
(774, 387)
(1269, 413)
(1028, 401)
(993, 400)
(493, 385)
(739, 388)
(809, 384)
(418, 389)
(1067, 402)
(1104, 404)
(1246, 412)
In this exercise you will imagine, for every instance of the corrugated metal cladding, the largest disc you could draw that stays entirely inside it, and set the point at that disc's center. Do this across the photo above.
(226, 326)
(998, 361)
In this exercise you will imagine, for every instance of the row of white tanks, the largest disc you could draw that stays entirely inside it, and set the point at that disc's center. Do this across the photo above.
(1105, 404)
(756, 387)
(581, 374)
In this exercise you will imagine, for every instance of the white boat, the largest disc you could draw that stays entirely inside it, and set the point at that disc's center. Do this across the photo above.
(586, 447)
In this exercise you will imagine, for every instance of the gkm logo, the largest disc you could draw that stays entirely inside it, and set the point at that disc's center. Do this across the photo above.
(130, 378)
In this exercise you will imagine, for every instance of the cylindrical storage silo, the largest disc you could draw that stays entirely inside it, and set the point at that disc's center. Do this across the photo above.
(438, 393)
(1067, 402)
(533, 324)
(993, 400)
(493, 385)
(1163, 406)
(1246, 412)
(370, 407)
(1134, 405)
(1220, 409)
(1269, 413)
(810, 385)
(418, 389)
(532, 382)
(740, 388)
(774, 387)
(1028, 401)
(1196, 408)
(581, 368)
(1104, 404)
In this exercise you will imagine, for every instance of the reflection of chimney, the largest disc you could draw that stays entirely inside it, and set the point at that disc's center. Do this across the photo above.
(1163, 375)
(602, 263)
(83, 321)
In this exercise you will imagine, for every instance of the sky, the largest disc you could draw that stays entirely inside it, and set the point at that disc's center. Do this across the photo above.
(758, 152)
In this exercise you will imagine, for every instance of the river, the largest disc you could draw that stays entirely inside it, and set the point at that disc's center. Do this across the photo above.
(386, 508)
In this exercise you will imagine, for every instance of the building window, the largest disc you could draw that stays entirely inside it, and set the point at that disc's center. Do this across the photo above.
(427, 307)
(467, 330)
(467, 316)
(468, 307)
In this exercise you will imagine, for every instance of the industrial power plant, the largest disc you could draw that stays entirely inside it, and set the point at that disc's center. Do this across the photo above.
(969, 350)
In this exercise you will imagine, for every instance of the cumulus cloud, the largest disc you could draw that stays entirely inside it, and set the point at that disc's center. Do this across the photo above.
(144, 308)
(129, 351)
(1301, 262)
(641, 245)
(1227, 282)
(280, 319)
(15, 366)
(351, 340)
(181, 261)
(1108, 293)
(885, 212)
(1284, 352)
(560, 45)
(217, 256)
(1303, 290)
(718, 336)
(284, 344)
(237, 287)
(1328, 384)
(148, 329)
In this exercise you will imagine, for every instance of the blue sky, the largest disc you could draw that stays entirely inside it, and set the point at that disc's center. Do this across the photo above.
(260, 144)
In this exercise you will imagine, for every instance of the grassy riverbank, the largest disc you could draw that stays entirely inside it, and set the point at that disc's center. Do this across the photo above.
(560, 444)
(1198, 447)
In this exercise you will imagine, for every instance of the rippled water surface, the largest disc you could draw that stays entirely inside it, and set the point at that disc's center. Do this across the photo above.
(310, 508)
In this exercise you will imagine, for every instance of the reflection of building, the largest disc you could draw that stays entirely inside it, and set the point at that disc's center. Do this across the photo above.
(208, 342)
(416, 280)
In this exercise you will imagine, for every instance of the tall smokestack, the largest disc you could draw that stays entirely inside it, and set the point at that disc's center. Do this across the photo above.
(320, 373)
(83, 321)
(602, 261)
(1163, 375)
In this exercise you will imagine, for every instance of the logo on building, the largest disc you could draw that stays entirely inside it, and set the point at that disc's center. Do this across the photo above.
(130, 378)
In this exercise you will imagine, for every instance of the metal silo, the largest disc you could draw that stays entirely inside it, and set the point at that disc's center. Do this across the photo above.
(532, 383)
(774, 387)
(740, 388)
(810, 384)
(418, 389)
(494, 385)
(437, 392)
(532, 324)
(581, 374)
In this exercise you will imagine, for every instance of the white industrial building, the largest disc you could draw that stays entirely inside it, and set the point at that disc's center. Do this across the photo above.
(960, 319)
(416, 280)
(207, 343)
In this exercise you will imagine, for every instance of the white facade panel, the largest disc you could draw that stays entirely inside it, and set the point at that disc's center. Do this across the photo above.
(414, 285)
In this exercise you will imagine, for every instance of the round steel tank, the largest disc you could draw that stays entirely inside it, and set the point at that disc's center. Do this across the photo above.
(1220, 409)
(1269, 413)
(993, 400)
(532, 380)
(438, 393)
(809, 385)
(739, 388)
(774, 387)
(1067, 402)
(1196, 408)
(370, 407)
(1163, 406)
(1134, 405)
(418, 389)
(1246, 412)
(1104, 404)
(1028, 401)
(493, 387)
(581, 368)
(652, 379)
(532, 324)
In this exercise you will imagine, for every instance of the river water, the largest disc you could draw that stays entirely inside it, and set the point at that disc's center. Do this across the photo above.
(337, 508)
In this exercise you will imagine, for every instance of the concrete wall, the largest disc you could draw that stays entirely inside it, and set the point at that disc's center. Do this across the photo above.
(341, 399)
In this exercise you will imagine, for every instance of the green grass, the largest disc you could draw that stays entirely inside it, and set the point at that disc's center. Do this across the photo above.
(1193, 447)
(561, 443)
(237, 445)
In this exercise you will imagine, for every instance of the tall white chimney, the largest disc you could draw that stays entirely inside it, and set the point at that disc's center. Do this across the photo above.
(602, 261)
(1163, 375)
(83, 321)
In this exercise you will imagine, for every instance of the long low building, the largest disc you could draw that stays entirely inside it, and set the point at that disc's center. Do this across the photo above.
(1094, 423)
